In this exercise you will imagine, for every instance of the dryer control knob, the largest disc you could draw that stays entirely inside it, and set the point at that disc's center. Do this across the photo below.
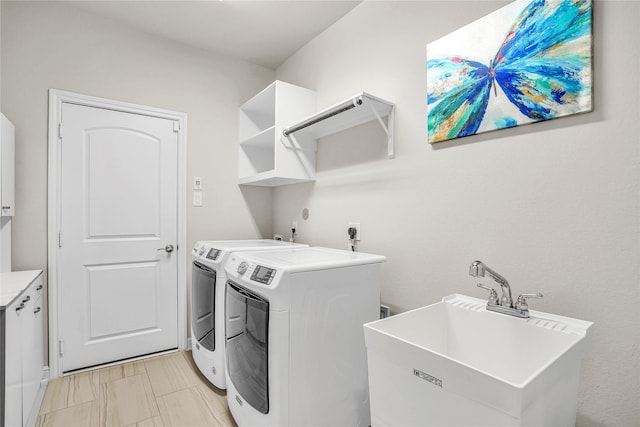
(201, 252)
(242, 268)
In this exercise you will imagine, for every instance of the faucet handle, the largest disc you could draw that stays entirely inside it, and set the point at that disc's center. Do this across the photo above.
(521, 302)
(493, 295)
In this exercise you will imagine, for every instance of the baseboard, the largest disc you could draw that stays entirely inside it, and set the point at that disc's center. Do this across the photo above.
(45, 374)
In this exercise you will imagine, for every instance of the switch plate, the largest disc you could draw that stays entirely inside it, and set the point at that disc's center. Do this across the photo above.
(197, 183)
(356, 225)
(197, 198)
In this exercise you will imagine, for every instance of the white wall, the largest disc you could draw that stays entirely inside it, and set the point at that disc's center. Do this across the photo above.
(51, 45)
(552, 206)
(4, 257)
(0, 55)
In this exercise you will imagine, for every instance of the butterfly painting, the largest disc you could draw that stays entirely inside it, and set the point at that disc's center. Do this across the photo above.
(527, 62)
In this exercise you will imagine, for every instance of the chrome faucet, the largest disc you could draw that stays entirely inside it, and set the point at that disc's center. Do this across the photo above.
(479, 269)
(505, 304)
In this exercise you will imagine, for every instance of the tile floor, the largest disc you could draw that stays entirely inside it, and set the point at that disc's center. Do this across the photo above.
(165, 391)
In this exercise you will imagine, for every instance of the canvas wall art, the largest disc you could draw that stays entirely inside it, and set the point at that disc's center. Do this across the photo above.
(528, 61)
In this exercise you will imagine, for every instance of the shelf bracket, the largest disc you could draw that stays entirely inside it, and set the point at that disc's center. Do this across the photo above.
(388, 129)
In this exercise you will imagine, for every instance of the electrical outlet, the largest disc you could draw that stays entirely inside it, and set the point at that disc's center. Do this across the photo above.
(294, 224)
(355, 225)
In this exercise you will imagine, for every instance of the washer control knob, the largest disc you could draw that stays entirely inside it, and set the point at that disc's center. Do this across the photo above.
(201, 251)
(242, 268)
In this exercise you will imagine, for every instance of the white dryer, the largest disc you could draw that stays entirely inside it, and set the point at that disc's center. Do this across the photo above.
(295, 344)
(207, 301)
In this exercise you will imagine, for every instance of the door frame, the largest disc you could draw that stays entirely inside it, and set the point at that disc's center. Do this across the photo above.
(56, 100)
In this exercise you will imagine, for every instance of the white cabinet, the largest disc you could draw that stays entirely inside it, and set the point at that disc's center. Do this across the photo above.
(32, 345)
(22, 349)
(12, 370)
(280, 129)
(266, 157)
(7, 167)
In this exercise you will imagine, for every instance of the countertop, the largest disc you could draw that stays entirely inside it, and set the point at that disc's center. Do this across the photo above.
(14, 283)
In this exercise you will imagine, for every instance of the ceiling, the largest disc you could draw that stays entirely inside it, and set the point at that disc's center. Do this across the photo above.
(264, 32)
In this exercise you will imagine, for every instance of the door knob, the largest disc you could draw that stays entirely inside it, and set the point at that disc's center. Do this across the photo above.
(167, 249)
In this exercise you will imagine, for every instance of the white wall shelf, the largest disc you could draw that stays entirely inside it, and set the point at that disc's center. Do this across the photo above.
(265, 157)
(271, 154)
(262, 139)
(357, 110)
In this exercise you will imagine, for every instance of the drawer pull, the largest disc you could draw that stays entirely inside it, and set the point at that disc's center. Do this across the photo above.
(37, 310)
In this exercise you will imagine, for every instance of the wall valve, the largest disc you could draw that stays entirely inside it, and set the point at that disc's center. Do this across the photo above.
(294, 227)
(356, 227)
(353, 231)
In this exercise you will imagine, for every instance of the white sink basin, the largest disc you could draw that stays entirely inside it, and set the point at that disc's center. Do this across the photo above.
(455, 363)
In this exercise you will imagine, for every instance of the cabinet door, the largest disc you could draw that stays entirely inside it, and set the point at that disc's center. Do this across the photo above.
(7, 167)
(13, 364)
(32, 349)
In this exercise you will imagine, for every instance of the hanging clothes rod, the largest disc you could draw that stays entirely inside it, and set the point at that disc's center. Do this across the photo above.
(346, 106)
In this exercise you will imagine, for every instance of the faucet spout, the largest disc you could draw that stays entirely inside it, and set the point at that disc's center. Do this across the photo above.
(479, 269)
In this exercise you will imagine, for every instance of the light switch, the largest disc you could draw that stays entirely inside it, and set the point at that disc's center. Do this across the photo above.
(197, 198)
(197, 183)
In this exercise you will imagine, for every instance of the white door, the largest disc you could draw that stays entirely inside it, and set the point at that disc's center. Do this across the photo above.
(118, 215)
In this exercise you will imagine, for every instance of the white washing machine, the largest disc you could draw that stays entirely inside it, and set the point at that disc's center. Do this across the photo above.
(295, 344)
(207, 301)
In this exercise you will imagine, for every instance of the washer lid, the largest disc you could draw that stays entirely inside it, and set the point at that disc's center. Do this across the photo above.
(215, 252)
(245, 244)
(310, 258)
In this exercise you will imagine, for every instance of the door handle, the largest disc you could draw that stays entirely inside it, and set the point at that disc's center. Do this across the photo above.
(168, 249)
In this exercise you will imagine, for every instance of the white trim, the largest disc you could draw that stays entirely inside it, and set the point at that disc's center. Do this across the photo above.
(56, 99)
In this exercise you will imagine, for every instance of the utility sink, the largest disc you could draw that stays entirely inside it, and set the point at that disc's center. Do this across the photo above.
(454, 363)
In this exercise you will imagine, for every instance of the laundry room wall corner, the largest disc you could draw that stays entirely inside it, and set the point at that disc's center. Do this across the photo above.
(259, 202)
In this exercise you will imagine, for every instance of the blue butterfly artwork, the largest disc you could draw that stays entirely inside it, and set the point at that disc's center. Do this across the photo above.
(527, 62)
